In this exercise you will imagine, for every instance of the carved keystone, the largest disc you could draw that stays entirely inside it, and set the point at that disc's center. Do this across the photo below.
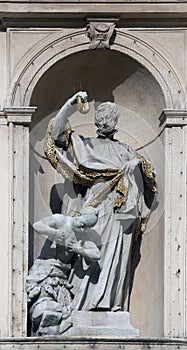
(100, 32)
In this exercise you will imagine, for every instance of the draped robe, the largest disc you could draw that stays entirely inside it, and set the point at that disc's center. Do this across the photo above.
(104, 285)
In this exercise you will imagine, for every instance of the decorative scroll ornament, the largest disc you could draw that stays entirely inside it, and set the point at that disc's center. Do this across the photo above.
(100, 34)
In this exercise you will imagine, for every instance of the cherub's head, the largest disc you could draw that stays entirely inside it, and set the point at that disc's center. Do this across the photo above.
(86, 218)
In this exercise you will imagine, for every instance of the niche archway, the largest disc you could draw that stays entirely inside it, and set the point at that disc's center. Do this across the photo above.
(106, 75)
(63, 43)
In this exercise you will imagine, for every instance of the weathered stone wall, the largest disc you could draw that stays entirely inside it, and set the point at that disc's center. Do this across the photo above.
(44, 58)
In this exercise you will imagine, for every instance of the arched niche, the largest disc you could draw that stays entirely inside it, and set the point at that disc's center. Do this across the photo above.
(63, 43)
(115, 76)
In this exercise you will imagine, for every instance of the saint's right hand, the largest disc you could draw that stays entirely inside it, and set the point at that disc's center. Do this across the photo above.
(82, 94)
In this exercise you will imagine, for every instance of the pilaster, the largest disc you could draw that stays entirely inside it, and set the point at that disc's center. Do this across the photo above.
(15, 152)
(175, 268)
(4, 227)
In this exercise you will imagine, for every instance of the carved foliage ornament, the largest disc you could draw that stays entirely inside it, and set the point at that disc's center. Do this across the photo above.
(100, 34)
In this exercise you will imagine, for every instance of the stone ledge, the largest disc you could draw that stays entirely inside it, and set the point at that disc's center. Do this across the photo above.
(173, 117)
(127, 20)
(19, 115)
(88, 343)
(149, 9)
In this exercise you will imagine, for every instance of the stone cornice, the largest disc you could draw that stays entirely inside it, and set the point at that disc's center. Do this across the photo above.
(126, 20)
(18, 115)
(173, 117)
(111, 343)
(3, 120)
(55, 13)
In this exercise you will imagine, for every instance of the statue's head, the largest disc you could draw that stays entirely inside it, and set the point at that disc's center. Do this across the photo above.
(86, 218)
(106, 117)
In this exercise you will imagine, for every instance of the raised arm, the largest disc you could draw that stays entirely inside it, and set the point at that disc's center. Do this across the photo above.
(46, 226)
(51, 226)
(59, 124)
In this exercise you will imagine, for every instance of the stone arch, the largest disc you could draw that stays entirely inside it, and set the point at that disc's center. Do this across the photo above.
(59, 46)
(58, 50)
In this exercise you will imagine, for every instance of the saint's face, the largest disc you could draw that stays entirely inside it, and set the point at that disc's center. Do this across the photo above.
(105, 122)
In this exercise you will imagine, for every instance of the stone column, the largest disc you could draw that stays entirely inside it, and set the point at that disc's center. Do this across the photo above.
(175, 265)
(14, 189)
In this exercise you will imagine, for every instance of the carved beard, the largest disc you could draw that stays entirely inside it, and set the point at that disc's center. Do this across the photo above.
(106, 129)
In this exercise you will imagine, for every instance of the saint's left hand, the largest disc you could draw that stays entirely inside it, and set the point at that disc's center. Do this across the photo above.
(130, 166)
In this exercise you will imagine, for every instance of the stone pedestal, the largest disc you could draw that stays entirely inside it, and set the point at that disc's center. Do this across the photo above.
(105, 324)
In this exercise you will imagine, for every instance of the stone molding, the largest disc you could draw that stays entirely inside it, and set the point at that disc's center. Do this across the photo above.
(3, 120)
(97, 343)
(167, 8)
(59, 45)
(173, 117)
(125, 21)
(19, 116)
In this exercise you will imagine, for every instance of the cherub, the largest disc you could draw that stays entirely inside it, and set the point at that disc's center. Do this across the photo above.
(72, 232)
(48, 289)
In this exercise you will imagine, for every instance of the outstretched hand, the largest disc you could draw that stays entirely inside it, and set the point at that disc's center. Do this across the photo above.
(82, 94)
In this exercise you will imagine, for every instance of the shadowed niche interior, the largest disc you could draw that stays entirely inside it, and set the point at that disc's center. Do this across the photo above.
(106, 76)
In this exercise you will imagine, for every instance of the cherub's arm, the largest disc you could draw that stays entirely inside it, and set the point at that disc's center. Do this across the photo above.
(50, 226)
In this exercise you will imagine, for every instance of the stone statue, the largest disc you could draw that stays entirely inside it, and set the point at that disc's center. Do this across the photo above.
(67, 232)
(112, 177)
(48, 288)
(108, 175)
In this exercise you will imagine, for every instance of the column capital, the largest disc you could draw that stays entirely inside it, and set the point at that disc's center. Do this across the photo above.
(19, 115)
(3, 120)
(173, 117)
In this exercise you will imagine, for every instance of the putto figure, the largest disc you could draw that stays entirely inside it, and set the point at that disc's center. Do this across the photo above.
(102, 172)
(48, 289)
